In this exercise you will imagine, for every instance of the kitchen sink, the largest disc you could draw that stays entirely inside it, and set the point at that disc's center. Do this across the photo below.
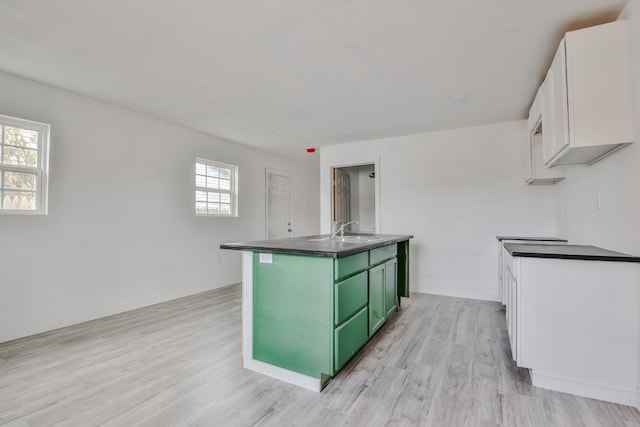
(347, 239)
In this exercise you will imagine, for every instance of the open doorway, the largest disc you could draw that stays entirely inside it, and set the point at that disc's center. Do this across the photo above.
(354, 197)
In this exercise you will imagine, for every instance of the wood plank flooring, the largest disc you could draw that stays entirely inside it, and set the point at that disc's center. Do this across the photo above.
(439, 362)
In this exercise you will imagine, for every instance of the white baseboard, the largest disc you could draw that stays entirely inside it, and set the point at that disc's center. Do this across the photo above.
(593, 391)
(300, 380)
(492, 298)
(17, 330)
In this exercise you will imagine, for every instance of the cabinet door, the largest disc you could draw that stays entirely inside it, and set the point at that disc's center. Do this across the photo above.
(535, 112)
(512, 308)
(500, 279)
(403, 270)
(349, 338)
(390, 286)
(598, 78)
(376, 298)
(555, 133)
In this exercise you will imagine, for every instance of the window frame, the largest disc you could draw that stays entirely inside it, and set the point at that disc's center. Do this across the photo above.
(233, 191)
(41, 171)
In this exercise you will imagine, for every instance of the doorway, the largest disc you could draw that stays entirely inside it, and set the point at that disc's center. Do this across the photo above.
(354, 197)
(278, 204)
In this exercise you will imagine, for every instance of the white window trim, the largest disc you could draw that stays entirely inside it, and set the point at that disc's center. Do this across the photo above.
(233, 192)
(42, 171)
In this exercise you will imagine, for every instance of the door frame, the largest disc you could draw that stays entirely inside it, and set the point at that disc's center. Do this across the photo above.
(267, 172)
(376, 170)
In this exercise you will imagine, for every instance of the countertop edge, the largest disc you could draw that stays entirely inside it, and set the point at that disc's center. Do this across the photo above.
(531, 239)
(318, 253)
(573, 256)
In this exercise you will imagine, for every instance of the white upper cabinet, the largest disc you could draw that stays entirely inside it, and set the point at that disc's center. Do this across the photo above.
(586, 96)
(535, 112)
(535, 171)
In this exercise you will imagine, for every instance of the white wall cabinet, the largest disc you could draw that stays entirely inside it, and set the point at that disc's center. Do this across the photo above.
(586, 96)
(534, 170)
(574, 324)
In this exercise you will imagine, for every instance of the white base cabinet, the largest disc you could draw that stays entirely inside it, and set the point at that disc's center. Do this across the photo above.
(574, 325)
(503, 253)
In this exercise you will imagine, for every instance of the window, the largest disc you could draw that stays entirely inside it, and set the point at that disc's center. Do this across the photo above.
(216, 188)
(23, 166)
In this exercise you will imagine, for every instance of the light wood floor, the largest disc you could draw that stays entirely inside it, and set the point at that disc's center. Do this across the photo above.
(439, 362)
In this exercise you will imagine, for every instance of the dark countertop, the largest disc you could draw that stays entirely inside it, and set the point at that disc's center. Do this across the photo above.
(302, 245)
(580, 252)
(532, 239)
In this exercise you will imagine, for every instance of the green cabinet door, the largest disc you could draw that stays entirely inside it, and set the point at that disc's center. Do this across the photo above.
(390, 286)
(349, 338)
(376, 298)
(403, 269)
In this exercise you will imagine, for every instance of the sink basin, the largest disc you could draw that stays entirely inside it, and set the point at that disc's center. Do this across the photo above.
(346, 239)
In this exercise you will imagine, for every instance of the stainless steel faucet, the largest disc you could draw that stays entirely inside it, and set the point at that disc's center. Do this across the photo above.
(334, 230)
(341, 229)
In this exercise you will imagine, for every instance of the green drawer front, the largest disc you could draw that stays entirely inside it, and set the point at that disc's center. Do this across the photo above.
(351, 264)
(351, 296)
(350, 337)
(383, 253)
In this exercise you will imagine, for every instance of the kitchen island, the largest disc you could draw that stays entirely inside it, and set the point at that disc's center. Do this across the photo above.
(310, 303)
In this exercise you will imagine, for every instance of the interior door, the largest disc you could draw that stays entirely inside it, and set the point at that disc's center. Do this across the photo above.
(341, 195)
(278, 205)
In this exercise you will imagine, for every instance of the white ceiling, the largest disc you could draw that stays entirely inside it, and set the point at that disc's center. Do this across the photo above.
(282, 75)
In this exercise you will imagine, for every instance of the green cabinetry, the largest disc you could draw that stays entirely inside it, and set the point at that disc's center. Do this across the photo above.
(312, 314)
(293, 313)
(391, 287)
(350, 337)
(350, 297)
(383, 289)
(377, 312)
(351, 264)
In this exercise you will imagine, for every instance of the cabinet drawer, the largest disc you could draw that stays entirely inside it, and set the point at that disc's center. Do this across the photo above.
(350, 264)
(383, 253)
(349, 338)
(351, 296)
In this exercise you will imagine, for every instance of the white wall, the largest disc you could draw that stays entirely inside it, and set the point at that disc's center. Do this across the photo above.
(121, 232)
(633, 11)
(616, 225)
(454, 191)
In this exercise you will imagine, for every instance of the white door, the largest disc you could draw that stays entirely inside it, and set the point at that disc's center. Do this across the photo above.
(341, 195)
(278, 205)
